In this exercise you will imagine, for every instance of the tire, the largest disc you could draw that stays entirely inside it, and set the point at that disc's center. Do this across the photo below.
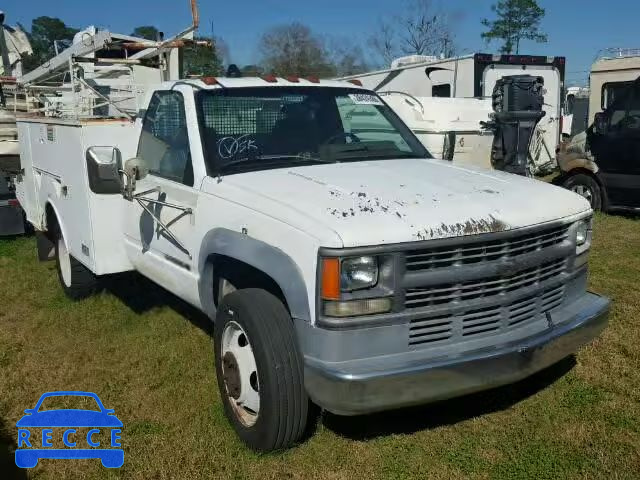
(77, 281)
(587, 187)
(260, 322)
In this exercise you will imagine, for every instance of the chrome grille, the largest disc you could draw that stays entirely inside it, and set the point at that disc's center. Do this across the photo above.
(484, 251)
(493, 319)
(458, 292)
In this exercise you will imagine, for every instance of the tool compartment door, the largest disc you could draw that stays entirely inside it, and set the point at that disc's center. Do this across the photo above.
(57, 175)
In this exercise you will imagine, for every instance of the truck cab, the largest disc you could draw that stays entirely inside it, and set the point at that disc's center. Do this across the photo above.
(614, 141)
(603, 163)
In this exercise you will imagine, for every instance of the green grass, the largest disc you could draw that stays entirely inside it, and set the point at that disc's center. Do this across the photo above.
(149, 357)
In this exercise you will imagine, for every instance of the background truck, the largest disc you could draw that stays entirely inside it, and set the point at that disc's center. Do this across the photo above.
(14, 44)
(341, 265)
(603, 163)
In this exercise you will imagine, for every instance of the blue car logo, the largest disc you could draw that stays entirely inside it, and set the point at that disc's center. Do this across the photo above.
(35, 433)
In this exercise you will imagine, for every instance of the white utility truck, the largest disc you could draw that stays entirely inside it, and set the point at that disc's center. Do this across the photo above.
(341, 265)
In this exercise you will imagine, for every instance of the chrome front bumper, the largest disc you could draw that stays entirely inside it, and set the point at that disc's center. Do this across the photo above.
(401, 380)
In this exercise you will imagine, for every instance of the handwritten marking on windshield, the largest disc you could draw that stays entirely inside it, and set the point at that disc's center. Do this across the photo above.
(229, 147)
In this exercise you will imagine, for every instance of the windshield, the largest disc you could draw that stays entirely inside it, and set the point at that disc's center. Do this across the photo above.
(274, 127)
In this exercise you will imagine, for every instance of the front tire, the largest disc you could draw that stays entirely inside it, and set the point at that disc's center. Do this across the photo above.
(260, 370)
(587, 187)
(77, 281)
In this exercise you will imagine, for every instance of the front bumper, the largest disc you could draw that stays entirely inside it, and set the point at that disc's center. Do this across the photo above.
(401, 380)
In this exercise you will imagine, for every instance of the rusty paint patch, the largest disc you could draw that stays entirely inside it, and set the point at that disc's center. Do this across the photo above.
(469, 227)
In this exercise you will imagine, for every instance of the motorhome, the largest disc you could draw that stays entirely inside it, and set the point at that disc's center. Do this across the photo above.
(603, 162)
(475, 76)
(340, 264)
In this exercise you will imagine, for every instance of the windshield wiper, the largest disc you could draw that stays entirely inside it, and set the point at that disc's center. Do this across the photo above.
(268, 159)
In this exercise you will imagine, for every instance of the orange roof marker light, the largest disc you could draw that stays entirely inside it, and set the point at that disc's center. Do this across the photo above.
(355, 81)
(313, 79)
(210, 80)
(292, 79)
(269, 78)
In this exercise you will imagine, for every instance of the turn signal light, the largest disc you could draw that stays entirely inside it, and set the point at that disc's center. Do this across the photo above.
(330, 278)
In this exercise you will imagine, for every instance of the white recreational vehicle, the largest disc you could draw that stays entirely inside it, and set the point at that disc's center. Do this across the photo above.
(474, 76)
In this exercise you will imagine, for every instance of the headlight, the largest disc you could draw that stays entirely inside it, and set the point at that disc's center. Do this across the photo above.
(582, 232)
(358, 273)
(356, 286)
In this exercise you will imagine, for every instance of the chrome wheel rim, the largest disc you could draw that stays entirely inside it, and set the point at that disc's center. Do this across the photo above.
(64, 261)
(583, 191)
(240, 374)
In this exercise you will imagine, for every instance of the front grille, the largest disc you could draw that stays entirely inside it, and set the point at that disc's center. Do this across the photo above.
(484, 251)
(489, 287)
(494, 319)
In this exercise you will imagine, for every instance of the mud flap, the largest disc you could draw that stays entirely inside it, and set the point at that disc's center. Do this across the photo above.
(46, 248)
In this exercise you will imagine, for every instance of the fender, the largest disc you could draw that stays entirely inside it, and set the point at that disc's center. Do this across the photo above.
(260, 255)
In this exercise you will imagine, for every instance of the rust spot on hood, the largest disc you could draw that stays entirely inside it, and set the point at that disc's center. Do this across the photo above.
(471, 226)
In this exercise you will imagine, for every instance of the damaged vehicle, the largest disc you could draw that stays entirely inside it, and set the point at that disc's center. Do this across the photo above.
(341, 265)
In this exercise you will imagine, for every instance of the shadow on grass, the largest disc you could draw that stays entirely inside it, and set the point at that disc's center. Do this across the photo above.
(142, 295)
(8, 467)
(449, 412)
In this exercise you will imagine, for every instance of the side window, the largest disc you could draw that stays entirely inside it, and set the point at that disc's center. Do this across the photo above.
(612, 91)
(164, 140)
(441, 90)
(368, 124)
(625, 114)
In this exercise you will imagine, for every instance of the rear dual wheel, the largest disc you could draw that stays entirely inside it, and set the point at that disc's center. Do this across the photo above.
(77, 281)
(260, 370)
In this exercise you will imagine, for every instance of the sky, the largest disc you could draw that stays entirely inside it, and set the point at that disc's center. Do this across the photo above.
(577, 29)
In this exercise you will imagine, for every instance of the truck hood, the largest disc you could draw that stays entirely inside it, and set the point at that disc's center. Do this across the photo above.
(393, 201)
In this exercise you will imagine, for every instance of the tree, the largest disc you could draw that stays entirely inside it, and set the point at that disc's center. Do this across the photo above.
(252, 71)
(420, 30)
(148, 32)
(197, 59)
(203, 60)
(515, 20)
(44, 32)
(345, 57)
(293, 49)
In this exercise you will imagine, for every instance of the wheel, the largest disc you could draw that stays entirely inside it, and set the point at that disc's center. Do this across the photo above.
(260, 370)
(77, 281)
(586, 186)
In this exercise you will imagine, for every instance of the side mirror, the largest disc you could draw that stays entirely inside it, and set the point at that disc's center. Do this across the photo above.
(103, 166)
(134, 169)
(600, 123)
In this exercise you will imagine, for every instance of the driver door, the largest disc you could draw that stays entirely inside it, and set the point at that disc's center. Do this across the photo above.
(617, 151)
(161, 218)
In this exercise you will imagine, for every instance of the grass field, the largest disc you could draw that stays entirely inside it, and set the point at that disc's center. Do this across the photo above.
(149, 357)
